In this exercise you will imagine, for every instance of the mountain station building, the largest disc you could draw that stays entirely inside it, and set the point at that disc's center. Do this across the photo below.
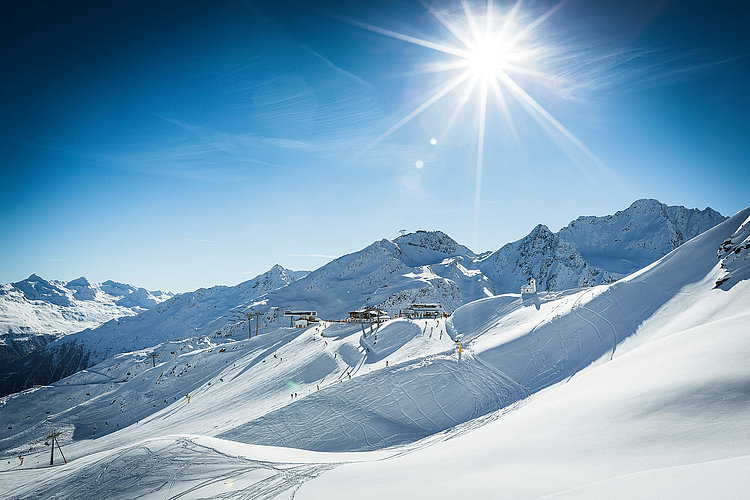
(303, 318)
(424, 311)
(368, 314)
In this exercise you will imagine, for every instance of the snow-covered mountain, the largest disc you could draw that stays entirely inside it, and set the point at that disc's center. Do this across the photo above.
(552, 261)
(637, 236)
(634, 388)
(35, 311)
(422, 266)
(594, 250)
(734, 254)
(205, 311)
(377, 275)
(425, 266)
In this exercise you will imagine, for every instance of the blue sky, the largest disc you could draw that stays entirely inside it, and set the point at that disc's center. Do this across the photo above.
(177, 145)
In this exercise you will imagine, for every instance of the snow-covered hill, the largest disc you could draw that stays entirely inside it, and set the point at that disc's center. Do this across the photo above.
(425, 266)
(35, 311)
(635, 387)
(205, 311)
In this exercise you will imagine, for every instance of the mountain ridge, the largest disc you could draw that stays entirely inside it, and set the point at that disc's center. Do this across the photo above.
(35, 311)
(424, 266)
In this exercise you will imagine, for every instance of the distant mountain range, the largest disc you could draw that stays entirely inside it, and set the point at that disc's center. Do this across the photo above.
(35, 311)
(422, 266)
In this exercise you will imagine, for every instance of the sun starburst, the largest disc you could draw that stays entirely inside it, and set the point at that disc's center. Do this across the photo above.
(492, 51)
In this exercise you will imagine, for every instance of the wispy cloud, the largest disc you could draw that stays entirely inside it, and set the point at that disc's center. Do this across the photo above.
(586, 71)
(338, 69)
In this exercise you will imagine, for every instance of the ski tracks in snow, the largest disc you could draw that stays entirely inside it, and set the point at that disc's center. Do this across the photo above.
(194, 470)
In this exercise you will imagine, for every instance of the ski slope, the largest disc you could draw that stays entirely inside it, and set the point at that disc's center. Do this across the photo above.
(635, 388)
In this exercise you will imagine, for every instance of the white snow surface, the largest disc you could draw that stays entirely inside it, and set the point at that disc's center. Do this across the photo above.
(36, 307)
(636, 388)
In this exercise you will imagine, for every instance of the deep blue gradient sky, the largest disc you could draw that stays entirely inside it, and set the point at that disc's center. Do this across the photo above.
(175, 145)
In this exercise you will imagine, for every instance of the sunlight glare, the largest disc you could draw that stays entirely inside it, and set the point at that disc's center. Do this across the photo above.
(492, 46)
(487, 57)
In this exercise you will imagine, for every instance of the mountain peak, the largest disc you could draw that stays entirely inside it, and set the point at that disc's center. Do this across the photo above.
(646, 203)
(429, 247)
(78, 282)
(432, 240)
(539, 231)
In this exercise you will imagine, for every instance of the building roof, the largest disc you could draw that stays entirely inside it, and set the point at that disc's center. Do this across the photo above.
(426, 307)
(368, 311)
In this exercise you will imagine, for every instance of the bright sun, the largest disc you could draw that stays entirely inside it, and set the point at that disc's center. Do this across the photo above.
(491, 49)
(486, 58)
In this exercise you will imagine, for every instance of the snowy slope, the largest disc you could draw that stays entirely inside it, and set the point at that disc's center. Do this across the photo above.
(641, 382)
(35, 311)
(205, 311)
(734, 253)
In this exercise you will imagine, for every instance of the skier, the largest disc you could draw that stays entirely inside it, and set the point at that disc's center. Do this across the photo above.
(21, 459)
(386, 363)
